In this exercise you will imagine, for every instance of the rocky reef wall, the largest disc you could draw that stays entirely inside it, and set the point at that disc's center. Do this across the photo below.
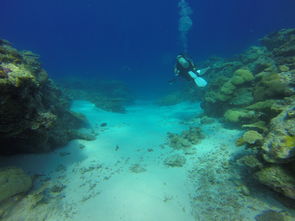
(34, 114)
(256, 91)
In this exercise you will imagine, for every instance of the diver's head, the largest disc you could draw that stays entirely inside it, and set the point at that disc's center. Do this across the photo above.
(183, 61)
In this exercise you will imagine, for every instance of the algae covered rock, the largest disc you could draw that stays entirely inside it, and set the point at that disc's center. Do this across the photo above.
(279, 179)
(175, 161)
(259, 95)
(271, 215)
(263, 73)
(13, 181)
(252, 137)
(242, 97)
(279, 144)
(262, 105)
(186, 139)
(35, 114)
(241, 76)
(273, 85)
(251, 161)
(259, 126)
(282, 45)
(238, 115)
(228, 88)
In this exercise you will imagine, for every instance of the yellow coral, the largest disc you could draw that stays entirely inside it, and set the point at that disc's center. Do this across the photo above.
(257, 125)
(240, 141)
(242, 76)
(235, 115)
(284, 68)
(289, 141)
(261, 105)
(236, 80)
(228, 88)
(249, 137)
(252, 136)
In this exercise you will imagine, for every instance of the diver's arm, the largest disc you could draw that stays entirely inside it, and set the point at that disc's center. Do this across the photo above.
(176, 75)
(176, 71)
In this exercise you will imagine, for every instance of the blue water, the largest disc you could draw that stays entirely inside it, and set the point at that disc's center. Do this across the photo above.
(122, 175)
(135, 41)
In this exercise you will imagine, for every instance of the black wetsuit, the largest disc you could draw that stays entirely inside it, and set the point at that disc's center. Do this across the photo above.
(183, 72)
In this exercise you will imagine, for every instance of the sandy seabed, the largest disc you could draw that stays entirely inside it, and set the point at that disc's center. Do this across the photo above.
(122, 176)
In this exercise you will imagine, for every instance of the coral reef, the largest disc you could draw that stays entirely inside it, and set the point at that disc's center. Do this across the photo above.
(259, 74)
(256, 91)
(279, 145)
(250, 137)
(35, 115)
(186, 139)
(175, 160)
(238, 115)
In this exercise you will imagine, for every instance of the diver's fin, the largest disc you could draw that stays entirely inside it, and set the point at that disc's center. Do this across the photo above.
(200, 82)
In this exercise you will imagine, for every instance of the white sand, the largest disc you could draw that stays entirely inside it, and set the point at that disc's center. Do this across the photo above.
(99, 185)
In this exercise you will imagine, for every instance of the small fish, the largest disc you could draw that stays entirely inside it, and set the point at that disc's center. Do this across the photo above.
(103, 124)
(117, 148)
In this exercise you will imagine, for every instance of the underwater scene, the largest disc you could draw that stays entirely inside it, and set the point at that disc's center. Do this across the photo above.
(179, 110)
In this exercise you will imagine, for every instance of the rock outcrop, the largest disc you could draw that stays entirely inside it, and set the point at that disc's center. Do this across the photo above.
(256, 91)
(13, 181)
(34, 114)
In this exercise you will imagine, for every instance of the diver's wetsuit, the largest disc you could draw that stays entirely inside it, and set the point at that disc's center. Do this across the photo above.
(185, 68)
(183, 71)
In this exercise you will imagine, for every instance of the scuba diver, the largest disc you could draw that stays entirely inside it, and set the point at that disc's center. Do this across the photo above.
(185, 68)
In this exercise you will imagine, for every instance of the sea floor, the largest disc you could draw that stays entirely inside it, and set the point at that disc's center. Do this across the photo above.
(121, 176)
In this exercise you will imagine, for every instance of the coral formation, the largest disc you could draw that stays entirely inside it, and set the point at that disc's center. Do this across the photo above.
(238, 115)
(279, 145)
(175, 161)
(257, 93)
(35, 115)
(241, 76)
(250, 137)
(251, 161)
(186, 139)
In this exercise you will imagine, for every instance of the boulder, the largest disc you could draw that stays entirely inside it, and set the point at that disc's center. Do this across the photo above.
(13, 181)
